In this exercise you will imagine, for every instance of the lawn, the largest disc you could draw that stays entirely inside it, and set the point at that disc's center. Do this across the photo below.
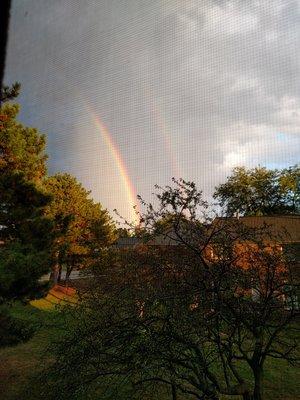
(18, 364)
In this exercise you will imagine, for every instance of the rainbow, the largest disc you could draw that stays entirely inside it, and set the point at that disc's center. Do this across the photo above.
(121, 166)
(164, 129)
(166, 135)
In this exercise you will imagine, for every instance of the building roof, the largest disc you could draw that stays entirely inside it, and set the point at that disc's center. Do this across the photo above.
(159, 240)
(127, 242)
(286, 227)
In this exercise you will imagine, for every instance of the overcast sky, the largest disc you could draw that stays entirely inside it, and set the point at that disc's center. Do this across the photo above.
(186, 88)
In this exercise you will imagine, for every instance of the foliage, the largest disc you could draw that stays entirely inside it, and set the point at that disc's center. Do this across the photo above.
(199, 317)
(82, 226)
(25, 233)
(123, 233)
(13, 330)
(260, 191)
(22, 149)
(9, 93)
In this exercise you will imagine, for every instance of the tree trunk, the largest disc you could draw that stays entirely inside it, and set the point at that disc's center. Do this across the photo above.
(257, 395)
(174, 392)
(250, 396)
(68, 273)
(59, 274)
(54, 274)
(55, 270)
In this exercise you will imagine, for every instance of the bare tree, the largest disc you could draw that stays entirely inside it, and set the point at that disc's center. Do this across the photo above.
(197, 309)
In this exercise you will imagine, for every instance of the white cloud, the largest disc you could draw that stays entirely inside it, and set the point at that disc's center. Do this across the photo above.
(264, 146)
(245, 83)
(230, 19)
(288, 114)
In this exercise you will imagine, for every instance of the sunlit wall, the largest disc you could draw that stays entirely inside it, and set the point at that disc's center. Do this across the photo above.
(133, 92)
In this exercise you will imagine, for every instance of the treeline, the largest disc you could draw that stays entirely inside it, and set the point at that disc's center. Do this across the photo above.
(45, 221)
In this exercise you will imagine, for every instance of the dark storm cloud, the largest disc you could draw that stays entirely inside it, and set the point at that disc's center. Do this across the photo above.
(217, 80)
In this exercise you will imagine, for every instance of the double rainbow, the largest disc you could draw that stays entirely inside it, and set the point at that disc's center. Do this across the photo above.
(129, 189)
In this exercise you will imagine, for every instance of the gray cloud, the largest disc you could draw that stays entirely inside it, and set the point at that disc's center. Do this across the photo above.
(194, 86)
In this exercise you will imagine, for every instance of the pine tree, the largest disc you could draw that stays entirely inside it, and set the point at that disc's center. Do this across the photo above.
(25, 233)
(82, 227)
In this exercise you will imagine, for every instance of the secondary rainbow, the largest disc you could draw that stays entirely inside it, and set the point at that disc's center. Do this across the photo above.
(163, 127)
(166, 135)
(121, 166)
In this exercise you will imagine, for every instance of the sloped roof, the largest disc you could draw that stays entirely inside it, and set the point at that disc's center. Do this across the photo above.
(284, 227)
(287, 227)
(159, 240)
(127, 242)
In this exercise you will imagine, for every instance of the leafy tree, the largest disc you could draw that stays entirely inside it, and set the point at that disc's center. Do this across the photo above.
(199, 318)
(22, 149)
(82, 226)
(25, 234)
(124, 233)
(25, 239)
(260, 191)
(9, 93)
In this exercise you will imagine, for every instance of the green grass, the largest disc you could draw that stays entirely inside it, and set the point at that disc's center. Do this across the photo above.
(281, 382)
(20, 363)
